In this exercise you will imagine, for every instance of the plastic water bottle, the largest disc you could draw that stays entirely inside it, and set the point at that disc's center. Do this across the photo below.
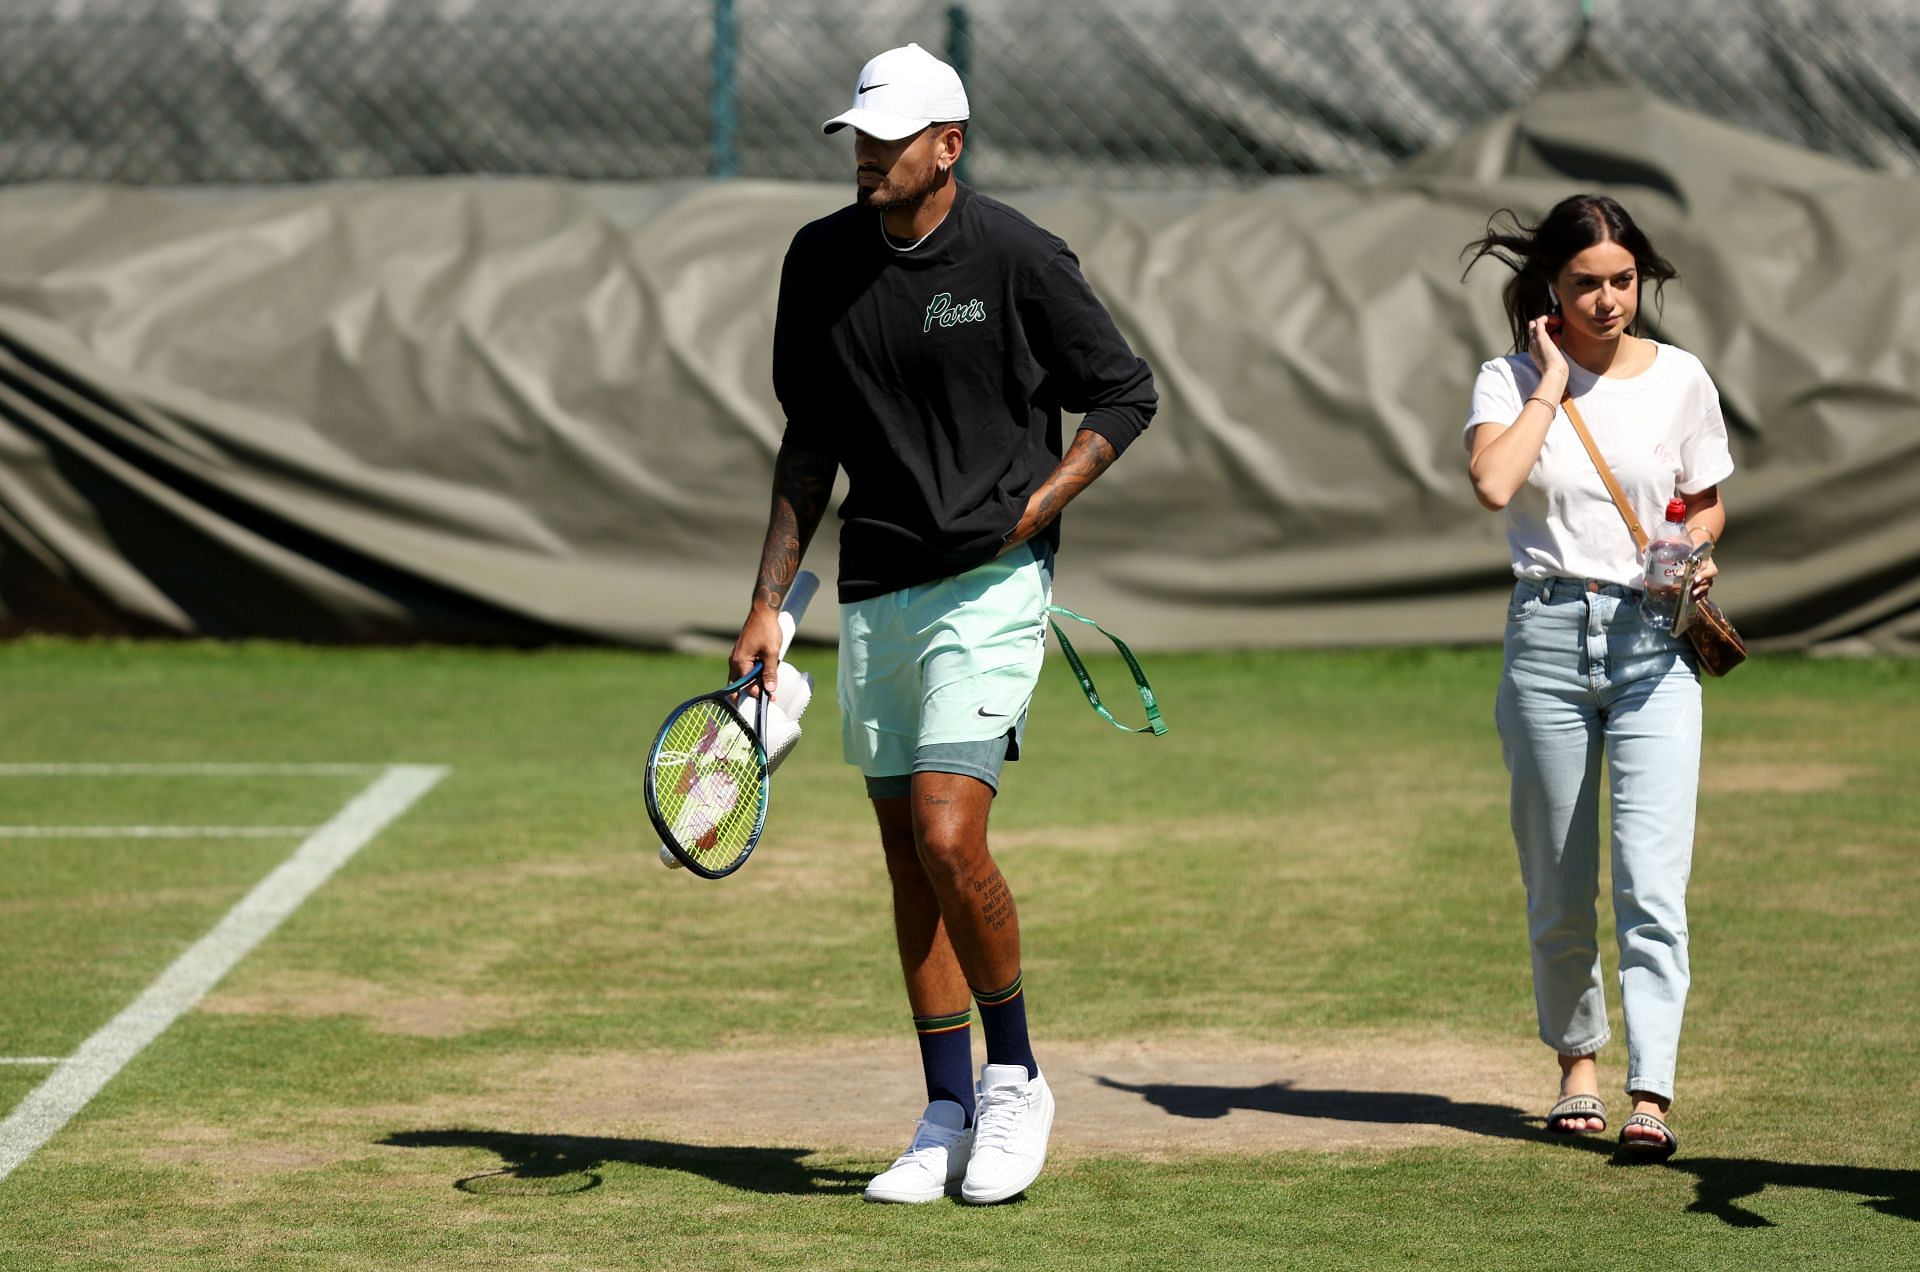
(1666, 563)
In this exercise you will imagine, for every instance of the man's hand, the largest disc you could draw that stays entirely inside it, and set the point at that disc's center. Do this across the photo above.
(1088, 457)
(759, 643)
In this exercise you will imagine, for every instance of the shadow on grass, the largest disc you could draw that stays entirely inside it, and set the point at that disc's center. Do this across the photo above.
(1396, 1108)
(552, 1165)
(1720, 1183)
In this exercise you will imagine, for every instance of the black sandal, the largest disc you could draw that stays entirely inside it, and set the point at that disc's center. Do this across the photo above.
(1646, 1150)
(1577, 1106)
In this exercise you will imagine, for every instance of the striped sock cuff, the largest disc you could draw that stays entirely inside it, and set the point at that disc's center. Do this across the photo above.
(924, 1025)
(996, 997)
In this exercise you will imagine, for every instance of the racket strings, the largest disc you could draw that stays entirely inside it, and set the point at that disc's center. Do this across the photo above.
(707, 783)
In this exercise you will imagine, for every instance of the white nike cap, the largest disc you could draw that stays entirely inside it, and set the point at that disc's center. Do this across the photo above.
(900, 92)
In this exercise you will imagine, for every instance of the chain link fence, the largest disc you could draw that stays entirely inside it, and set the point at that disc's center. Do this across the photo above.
(1116, 93)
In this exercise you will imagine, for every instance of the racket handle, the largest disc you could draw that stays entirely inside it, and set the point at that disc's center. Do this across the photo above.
(786, 633)
(805, 584)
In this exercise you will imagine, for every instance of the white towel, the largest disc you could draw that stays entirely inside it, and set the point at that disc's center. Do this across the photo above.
(792, 693)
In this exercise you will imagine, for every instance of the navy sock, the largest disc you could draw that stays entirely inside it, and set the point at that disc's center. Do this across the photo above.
(946, 1056)
(1003, 1019)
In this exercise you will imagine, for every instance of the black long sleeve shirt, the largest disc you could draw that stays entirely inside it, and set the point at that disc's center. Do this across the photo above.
(937, 376)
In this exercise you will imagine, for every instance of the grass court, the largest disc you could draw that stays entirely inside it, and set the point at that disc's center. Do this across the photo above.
(1278, 958)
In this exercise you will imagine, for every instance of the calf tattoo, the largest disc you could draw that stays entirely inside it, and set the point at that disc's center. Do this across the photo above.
(995, 899)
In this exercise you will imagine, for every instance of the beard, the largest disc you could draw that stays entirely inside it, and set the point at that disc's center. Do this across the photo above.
(897, 193)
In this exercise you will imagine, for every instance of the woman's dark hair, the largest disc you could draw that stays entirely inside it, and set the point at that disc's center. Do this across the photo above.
(1537, 253)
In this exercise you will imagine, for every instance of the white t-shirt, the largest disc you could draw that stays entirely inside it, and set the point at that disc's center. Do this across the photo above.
(1661, 433)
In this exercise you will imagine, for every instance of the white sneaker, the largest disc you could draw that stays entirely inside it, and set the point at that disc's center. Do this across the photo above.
(934, 1163)
(1010, 1128)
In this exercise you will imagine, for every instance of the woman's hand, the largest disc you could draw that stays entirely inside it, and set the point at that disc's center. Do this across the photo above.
(1703, 578)
(1544, 349)
(1702, 536)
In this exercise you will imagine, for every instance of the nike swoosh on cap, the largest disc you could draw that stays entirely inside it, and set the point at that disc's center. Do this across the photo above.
(868, 88)
(991, 715)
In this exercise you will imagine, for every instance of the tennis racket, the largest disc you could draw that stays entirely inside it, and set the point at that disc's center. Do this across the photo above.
(708, 780)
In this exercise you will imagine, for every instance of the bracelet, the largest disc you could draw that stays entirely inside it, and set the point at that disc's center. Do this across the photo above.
(1551, 406)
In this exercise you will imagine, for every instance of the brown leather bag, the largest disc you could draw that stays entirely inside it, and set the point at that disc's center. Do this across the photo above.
(1717, 645)
(1714, 640)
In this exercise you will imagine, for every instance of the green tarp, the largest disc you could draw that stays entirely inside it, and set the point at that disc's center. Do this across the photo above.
(524, 411)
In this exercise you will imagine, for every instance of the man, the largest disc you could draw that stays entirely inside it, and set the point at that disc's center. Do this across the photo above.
(927, 340)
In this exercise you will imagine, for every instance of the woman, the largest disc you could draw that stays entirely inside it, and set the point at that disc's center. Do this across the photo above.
(1585, 673)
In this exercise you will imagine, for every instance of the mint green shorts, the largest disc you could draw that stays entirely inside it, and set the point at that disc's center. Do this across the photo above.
(937, 678)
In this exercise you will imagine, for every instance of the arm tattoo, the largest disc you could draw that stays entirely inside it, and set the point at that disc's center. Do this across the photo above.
(1088, 457)
(802, 483)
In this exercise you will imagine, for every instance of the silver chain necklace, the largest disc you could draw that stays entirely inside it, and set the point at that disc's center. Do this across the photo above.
(888, 238)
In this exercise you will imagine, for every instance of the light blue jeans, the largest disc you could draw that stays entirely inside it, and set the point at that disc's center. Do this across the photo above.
(1586, 675)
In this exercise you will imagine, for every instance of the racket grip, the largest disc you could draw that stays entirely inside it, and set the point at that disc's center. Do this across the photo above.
(786, 633)
(805, 584)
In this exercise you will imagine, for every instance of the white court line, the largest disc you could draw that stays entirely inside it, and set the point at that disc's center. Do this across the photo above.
(30, 1061)
(81, 1076)
(187, 770)
(153, 832)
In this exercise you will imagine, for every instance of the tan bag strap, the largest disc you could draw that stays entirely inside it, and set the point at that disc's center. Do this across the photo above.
(1606, 474)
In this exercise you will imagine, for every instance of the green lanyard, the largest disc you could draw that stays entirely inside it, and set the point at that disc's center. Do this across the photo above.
(1154, 725)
